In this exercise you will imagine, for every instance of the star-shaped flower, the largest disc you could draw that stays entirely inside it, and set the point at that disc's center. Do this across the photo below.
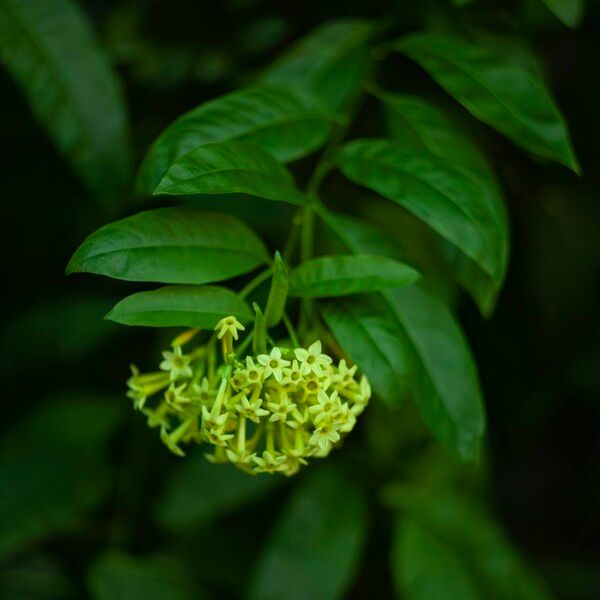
(177, 363)
(293, 375)
(270, 463)
(251, 409)
(280, 408)
(210, 422)
(202, 392)
(324, 436)
(175, 398)
(217, 437)
(229, 325)
(273, 364)
(312, 360)
(326, 406)
(344, 376)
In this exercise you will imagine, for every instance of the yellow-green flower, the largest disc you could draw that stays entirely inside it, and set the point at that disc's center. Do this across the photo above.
(324, 436)
(229, 325)
(270, 463)
(251, 409)
(177, 364)
(313, 360)
(273, 364)
(280, 408)
(325, 407)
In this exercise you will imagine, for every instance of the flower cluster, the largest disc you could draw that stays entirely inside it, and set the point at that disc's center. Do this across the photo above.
(265, 413)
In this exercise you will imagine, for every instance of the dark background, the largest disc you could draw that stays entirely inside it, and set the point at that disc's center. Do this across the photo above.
(539, 355)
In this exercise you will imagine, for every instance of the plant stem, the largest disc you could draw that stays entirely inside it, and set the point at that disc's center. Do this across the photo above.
(290, 329)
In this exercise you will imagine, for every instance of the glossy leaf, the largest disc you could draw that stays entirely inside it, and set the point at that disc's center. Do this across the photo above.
(498, 91)
(424, 568)
(345, 275)
(119, 576)
(450, 200)
(180, 306)
(287, 123)
(418, 124)
(570, 12)
(278, 293)
(444, 379)
(445, 382)
(370, 337)
(330, 61)
(51, 52)
(200, 492)
(314, 550)
(229, 168)
(171, 245)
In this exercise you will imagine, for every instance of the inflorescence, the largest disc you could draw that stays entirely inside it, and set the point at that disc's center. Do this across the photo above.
(265, 414)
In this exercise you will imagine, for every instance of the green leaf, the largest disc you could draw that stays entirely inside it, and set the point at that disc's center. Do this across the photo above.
(229, 168)
(200, 492)
(330, 62)
(450, 200)
(444, 380)
(345, 275)
(466, 527)
(171, 245)
(570, 12)
(315, 548)
(119, 576)
(278, 292)
(446, 385)
(287, 123)
(259, 331)
(370, 337)
(496, 90)
(424, 568)
(180, 306)
(51, 52)
(419, 125)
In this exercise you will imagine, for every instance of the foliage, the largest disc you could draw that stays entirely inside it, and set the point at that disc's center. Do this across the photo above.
(322, 210)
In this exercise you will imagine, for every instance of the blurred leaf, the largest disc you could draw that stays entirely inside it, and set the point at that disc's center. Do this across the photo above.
(229, 168)
(53, 470)
(330, 62)
(285, 122)
(444, 378)
(171, 245)
(419, 125)
(496, 90)
(180, 306)
(446, 385)
(315, 548)
(465, 526)
(278, 293)
(118, 576)
(68, 421)
(72, 327)
(51, 52)
(34, 577)
(370, 337)
(449, 199)
(200, 492)
(345, 275)
(570, 12)
(424, 568)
